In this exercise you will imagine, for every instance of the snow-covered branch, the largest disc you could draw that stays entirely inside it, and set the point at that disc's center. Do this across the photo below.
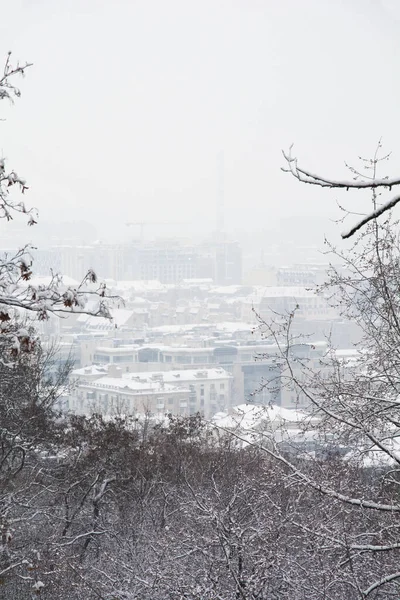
(306, 176)
(275, 454)
(19, 295)
(79, 537)
(380, 583)
(372, 215)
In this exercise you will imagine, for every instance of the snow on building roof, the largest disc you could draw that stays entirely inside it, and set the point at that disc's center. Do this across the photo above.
(197, 281)
(233, 326)
(160, 347)
(139, 285)
(138, 387)
(179, 349)
(348, 353)
(226, 326)
(250, 416)
(288, 292)
(227, 289)
(117, 350)
(314, 266)
(184, 349)
(259, 292)
(120, 316)
(175, 328)
(177, 376)
(374, 456)
(91, 370)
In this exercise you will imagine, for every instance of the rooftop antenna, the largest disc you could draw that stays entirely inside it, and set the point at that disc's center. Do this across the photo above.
(220, 195)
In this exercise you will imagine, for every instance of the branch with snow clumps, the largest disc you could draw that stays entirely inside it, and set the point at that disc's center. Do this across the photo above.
(306, 176)
(18, 296)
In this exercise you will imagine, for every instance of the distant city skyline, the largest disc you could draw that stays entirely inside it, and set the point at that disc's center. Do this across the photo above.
(128, 105)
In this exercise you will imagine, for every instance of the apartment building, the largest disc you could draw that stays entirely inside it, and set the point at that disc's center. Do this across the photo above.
(121, 396)
(107, 389)
(210, 389)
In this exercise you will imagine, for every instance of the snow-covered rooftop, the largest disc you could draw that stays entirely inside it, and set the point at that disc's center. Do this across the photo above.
(138, 387)
(91, 370)
(118, 350)
(120, 316)
(208, 281)
(250, 416)
(137, 285)
(177, 376)
(224, 326)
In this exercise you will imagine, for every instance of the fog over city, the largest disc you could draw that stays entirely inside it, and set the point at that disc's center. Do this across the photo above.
(129, 104)
(199, 300)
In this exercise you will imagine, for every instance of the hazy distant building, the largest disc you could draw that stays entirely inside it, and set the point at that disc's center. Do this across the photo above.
(115, 395)
(210, 389)
(284, 300)
(260, 275)
(253, 380)
(108, 261)
(222, 261)
(180, 392)
(228, 263)
(166, 261)
(302, 274)
(46, 261)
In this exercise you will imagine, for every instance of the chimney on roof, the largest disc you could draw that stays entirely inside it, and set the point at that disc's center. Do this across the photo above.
(202, 374)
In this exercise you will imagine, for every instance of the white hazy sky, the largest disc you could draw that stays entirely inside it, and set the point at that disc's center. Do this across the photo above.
(129, 103)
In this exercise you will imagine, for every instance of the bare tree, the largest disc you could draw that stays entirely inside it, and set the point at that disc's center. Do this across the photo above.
(346, 458)
(18, 296)
(31, 442)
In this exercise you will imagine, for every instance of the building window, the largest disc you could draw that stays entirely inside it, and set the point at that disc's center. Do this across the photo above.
(121, 359)
(101, 358)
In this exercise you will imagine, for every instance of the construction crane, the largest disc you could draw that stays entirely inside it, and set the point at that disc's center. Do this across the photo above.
(143, 224)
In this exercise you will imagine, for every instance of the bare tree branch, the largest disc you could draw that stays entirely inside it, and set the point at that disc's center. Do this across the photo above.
(372, 183)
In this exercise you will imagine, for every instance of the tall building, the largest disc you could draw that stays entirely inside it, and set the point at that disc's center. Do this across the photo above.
(167, 261)
(228, 263)
(74, 261)
(221, 261)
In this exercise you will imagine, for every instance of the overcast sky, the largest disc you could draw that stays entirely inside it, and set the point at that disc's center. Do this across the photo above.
(129, 103)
